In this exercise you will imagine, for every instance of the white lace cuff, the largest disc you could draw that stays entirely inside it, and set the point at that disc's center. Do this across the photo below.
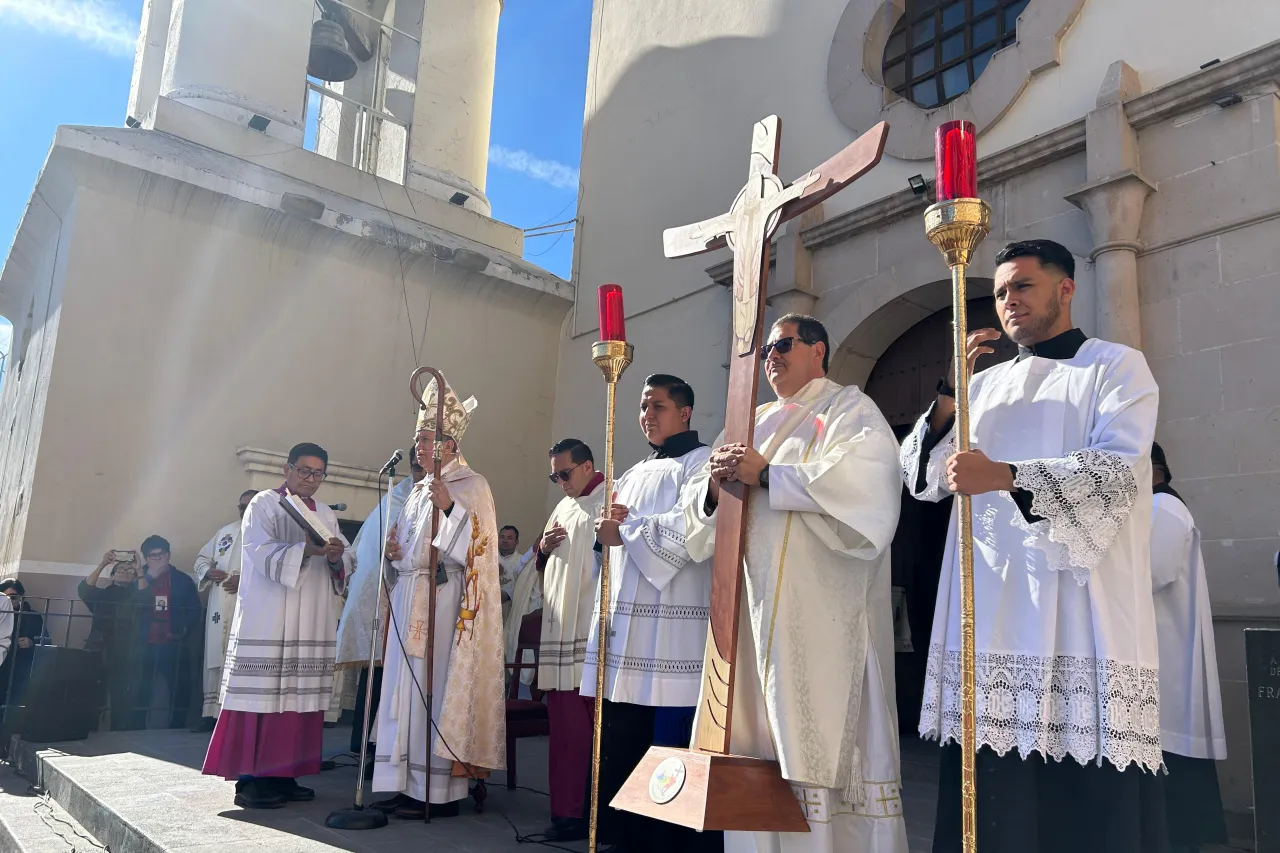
(935, 481)
(1084, 499)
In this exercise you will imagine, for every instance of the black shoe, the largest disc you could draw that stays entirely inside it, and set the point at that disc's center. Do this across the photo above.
(565, 829)
(446, 809)
(390, 804)
(411, 809)
(293, 792)
(204, 726)
(256, 794)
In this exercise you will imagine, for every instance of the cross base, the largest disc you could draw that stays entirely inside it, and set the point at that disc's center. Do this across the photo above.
(710, 791)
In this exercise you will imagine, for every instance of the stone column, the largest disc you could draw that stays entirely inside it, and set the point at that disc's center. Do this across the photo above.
(148, 61)
(449, 141)
(790, 288)
(1112, 202)
(237, 59)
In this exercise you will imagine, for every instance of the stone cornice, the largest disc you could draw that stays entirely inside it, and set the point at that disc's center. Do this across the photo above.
(1202, 87)
(722, 273)
(261, 461)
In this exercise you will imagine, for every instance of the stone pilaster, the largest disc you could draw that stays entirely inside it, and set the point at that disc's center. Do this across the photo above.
(1112, 202)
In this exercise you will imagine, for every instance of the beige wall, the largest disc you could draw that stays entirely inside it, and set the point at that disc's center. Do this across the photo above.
(192, 325)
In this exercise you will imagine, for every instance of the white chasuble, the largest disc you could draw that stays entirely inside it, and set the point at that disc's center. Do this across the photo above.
(222, 553)
(815, 666)
(468, 710)
(1190, 693)
(569, 582)
(1065, 625)
(283, 636)
(362, 596)
(659, 597)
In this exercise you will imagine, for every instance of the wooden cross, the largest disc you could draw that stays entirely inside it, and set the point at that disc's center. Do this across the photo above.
(763, 204)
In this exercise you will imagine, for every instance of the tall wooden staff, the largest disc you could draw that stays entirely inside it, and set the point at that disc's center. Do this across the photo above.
(612, 354)
(433, 558)
(956, 224)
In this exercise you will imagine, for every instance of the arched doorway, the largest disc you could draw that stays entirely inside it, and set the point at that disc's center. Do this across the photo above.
(903, 384)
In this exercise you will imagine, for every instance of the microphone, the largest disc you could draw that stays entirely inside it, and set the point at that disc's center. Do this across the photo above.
(338, 507)
(395, 460)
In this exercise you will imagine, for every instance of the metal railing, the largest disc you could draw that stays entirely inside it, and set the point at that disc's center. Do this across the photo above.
(102, 665)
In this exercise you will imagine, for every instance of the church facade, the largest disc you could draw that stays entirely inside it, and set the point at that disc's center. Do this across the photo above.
(1144, 136)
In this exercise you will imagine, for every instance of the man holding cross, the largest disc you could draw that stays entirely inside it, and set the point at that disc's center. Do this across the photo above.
(815, 671)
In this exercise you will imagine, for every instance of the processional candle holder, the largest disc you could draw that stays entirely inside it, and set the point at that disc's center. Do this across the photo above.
(957, 223)
(612, 354)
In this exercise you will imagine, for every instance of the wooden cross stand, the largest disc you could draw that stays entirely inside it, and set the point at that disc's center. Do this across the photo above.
(706, 787)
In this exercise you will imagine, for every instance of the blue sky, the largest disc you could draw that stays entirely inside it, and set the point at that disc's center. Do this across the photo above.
(69, 62)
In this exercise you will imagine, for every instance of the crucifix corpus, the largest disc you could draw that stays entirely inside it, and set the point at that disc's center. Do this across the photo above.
(706, 787)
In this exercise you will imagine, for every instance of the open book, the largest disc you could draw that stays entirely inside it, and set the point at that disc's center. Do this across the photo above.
(316, 530)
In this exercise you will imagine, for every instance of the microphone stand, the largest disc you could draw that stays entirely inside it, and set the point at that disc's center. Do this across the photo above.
(358, 817)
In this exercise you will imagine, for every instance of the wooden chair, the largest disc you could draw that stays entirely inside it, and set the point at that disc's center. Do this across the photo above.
(525, 717)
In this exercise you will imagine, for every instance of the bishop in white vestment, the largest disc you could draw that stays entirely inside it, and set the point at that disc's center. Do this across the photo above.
(430, 761)
(1068, 717)
(1191, 728)
(278, 676)
(218, 572)
(659, 606)
(570, 568)
(815, 676)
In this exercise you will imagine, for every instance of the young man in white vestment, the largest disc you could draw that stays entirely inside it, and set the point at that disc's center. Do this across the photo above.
(428, 762)
(1068, 714)
(218, 573)
(1191, 729)
(356, 624)
(521, 593)
(278, 675)
(570, 568)
(659, 605)
(815, 688)
(511, 562)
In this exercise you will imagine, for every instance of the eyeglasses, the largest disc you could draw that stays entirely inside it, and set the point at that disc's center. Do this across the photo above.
(158, 555)
(308, 474)
(564, 475)
(782, 345)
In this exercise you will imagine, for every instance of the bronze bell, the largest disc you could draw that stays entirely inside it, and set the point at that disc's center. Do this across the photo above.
(330, 58)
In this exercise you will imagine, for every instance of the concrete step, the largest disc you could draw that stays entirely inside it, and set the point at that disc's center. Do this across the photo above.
(30, 823)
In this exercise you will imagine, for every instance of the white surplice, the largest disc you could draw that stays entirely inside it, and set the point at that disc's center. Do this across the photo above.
(1190, 694)
(283, 636)
(569, 581)
(222, 553)
(815, 667)
(401, 724)
(356, 625)
(1065, 626)
(659, 598)
(524, 597)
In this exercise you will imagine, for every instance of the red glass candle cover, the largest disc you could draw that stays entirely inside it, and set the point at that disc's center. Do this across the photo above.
(955, 160)
(612, 320)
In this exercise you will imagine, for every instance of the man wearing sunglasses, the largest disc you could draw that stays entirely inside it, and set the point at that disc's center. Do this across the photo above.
(815, 680)
(659, 609)
(278, 676)
(569, 565)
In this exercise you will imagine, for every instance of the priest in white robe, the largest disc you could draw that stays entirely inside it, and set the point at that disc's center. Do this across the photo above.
(1191, 727)
(278, 676)
(1067, 674)
(815, 678)
(217, 571)
(428, 762)
(659, 605)
(570, 569)
(521, 593)
(362, 597)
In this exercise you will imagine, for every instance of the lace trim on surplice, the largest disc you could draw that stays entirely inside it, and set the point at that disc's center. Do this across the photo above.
(1085, 499)
(1087, 708)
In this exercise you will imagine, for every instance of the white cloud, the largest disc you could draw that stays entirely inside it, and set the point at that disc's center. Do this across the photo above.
(550, 172)
(94, 22)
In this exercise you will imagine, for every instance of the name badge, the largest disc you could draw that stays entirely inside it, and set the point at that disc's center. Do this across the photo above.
(162, 603)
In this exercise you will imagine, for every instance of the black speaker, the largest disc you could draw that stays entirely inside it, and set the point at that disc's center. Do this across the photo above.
(60, 699)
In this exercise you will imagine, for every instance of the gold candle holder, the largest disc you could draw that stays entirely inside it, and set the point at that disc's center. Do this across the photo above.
(613, 358)
(956, 227)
